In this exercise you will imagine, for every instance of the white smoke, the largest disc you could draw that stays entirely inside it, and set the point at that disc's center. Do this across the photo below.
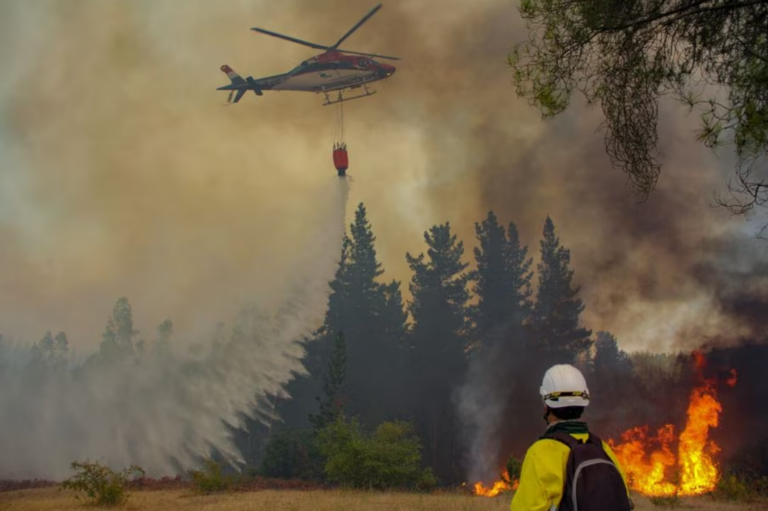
(480, 405)
(164, 412)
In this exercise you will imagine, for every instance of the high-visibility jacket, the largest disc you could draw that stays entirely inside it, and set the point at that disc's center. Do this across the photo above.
(543, 475)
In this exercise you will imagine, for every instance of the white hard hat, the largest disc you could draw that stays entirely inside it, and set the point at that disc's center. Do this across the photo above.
(564, 385)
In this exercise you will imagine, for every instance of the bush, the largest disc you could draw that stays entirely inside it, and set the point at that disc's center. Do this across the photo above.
(292, 454)
(732, 487)
(211, 478)
(741, 486)
(514, 467)
(666, 501)
(101, 485)
(389, 458)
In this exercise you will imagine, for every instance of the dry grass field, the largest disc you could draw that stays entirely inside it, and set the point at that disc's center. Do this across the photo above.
(51, 499)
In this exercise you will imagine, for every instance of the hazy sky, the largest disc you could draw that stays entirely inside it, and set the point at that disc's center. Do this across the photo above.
(121, 173)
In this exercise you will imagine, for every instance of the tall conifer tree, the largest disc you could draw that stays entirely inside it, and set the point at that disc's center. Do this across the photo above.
(556, 333)
(118, 337)
(501, 284)
(371, 318)
(439, 340)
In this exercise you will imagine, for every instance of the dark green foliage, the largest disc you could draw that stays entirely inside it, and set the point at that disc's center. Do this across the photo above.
(626, 55)
(102, 485)
(610, 360)
(292, 454)
(211, 478)
(502, 283)
(439, 285)
(162, 344)
(394, 316)
(388, 458)
(50, 355)
(118, 337)
(734, 488)
(670, 501)
(741, 486)
(332, 403)
(612, 372)
(370, 315)
(557, 336)
(612, 368)
(514, 467)
(438, 342)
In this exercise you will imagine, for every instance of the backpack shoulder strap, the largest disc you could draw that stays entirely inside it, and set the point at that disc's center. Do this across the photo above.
(563, 438)
(595, 439)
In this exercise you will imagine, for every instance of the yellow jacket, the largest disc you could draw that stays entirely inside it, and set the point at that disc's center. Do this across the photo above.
(543, 472)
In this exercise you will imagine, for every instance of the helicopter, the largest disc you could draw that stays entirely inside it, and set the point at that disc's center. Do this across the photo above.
(335, 70)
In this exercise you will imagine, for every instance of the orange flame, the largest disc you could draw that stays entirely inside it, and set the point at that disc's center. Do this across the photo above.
(646, 469)
(500, 486)
(646, 473)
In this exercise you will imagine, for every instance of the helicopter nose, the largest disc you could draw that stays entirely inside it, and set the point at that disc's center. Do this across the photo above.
(387, 70)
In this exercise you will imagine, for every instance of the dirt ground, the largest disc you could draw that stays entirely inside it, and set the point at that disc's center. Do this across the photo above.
(51, 499)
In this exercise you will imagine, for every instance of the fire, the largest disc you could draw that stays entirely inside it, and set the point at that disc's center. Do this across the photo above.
(500, 486)
(646, 473)
(646, 460)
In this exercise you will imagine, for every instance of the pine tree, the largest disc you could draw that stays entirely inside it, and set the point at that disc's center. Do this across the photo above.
(49, 354)
(438, 337)
(371, 317)
(318, 346)
(394, 316)
(612, 371)
(502, 283)
(332, 403)
(555, 318)
(162, 344)
(609, 359)
(502, 287)
(363, 309)
(117, 339)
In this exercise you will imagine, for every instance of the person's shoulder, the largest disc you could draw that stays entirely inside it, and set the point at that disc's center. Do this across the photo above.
(545, 444)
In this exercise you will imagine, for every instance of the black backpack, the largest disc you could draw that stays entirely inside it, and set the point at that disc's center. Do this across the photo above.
(592, 481)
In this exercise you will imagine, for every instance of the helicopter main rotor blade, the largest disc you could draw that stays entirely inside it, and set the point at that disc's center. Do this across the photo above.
(289, 38)
(375, 55)
(359, 23)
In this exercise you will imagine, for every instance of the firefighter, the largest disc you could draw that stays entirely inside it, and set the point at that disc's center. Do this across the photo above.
(546, 472)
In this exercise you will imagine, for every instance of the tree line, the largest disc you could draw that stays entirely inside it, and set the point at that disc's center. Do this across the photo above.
(407, 361)
(381, 365)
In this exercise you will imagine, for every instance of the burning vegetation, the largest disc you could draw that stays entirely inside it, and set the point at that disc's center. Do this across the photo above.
(664, 463)
(505, 484)
(649, 461)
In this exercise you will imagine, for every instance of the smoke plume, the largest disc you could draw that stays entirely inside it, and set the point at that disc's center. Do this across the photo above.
(123, 175)
(166, 411)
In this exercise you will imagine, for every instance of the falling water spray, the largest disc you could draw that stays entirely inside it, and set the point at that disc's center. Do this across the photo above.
(165, 412)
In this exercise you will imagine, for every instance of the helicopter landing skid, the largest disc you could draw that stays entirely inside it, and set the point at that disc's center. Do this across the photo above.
(341, 98)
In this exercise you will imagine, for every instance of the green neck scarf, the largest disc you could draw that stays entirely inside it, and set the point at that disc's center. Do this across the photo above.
(572, 427)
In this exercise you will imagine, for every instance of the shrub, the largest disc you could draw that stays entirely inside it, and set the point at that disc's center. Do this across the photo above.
(388, 458)
(666, 501)
(514, 467)
(211, 478)
(292, 454)
(733, 487)
(101, 485)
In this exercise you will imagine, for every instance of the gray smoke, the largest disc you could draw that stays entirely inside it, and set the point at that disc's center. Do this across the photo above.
(480, 404)
(163, 412)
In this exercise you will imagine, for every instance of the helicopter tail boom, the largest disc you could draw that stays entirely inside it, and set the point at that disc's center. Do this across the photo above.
(232, 75)
(239, 85)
